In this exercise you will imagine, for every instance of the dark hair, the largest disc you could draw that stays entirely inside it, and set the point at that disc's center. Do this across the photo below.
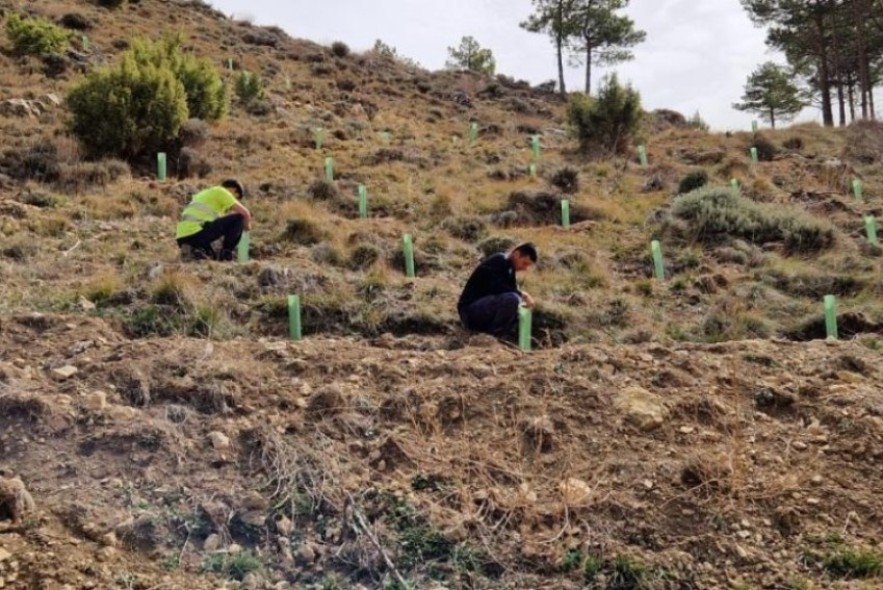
(527, 249)
(234, 184)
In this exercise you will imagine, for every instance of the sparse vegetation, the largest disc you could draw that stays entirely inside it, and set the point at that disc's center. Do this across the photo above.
(658, 426)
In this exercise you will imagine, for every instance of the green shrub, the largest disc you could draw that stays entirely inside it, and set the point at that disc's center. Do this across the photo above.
(692, 181)
(127, 111)
(610, 120)
(713, 214)
(566, 180)
(33, 36)
(249, 87)
(340, 49)
(205, 90)
(139, 106)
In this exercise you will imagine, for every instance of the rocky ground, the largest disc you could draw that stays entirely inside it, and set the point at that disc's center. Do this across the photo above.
(440, 462)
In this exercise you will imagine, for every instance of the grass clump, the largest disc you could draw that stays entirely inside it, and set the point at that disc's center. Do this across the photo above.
(853, 563)
(714, 215)
(693, 181)
(233, 566)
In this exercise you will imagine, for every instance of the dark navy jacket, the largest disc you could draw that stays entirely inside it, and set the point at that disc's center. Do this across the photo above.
(494, 276)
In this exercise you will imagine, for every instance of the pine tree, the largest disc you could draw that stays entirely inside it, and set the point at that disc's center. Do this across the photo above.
(471, 56)
(770, 92)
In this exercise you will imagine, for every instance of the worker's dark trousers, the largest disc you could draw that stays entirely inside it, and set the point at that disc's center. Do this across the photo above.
(228, 227)
(494, 314)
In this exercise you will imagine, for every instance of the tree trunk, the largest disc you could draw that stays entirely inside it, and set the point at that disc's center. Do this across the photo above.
(588, 69)
(824, 74)
(850, 87)
(841, 103)
(559, 41)
(559, 46)
(871, 109)
(860, 12)
(772, 117)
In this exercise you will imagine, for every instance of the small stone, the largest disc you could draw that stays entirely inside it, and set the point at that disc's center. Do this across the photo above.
(813, 501)
(234, 549)
(212, 542)
(4, 554)
(63, 373)
(96, 401)
(85, 304)
(219, 440)
(799, 445)
(686, 430)
(575, 491)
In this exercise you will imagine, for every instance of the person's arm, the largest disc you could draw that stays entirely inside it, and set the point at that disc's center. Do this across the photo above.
(240, 208)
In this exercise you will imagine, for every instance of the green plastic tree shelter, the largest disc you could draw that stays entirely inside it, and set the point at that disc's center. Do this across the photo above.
(385, 136)
(329, 169)
(565, 212)
(754, 155)
(532, 170)
(831, 316)
(535, 146)
(642, 155)
(84, 40)
(319, 136)
(363, 201)
(871, 229)
(656, 251)
(857, 188)
(734, 183)
(408, 250)
(524, 328)
(473, 131)
(242, 247)
(754, 126)
(294, 327)
(161, 166)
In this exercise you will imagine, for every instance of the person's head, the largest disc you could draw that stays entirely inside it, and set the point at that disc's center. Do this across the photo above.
(235, 187)
(523, 255)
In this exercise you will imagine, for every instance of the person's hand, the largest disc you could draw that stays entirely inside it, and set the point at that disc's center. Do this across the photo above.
(528, 300)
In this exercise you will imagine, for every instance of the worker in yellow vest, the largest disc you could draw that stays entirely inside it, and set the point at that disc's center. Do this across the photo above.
(212, 214)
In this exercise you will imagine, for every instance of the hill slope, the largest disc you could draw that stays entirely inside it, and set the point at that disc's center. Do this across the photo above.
(695, 432)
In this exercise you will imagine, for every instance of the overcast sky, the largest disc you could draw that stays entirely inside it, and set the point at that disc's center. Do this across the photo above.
(697, 56)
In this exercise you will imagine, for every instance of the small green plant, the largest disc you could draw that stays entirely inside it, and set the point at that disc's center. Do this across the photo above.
(34, 36)
(692, 181)
(627, 573)
(571, 560)
(591, 568)
(233, 566)
(249, 87)
(853, 563)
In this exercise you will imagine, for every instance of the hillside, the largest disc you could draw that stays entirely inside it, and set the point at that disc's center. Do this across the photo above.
(694, 432)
